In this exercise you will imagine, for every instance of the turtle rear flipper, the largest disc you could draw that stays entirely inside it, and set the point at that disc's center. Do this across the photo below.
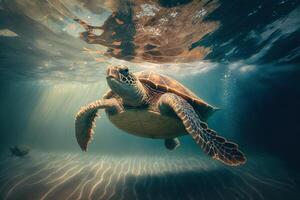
(172, 143)
(215, 146)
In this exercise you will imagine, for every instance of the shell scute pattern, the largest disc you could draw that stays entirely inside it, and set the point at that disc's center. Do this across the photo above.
(165, 84)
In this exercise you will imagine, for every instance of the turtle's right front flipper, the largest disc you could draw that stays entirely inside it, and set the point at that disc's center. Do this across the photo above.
(215, 146)
(85, 119)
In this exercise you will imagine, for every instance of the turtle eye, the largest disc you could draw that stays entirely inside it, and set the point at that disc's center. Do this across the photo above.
(124, 71)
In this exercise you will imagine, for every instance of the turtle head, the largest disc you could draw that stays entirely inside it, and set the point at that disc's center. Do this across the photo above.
(121, 76)
(125, 84)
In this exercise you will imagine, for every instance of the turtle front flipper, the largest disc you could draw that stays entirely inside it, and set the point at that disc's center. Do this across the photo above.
(85, 120)
(215, 146)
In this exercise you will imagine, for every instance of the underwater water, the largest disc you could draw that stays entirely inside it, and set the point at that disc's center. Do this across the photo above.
(240, 57)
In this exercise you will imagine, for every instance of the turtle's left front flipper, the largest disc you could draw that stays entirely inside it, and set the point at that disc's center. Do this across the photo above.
(215, 146)
(85, 119)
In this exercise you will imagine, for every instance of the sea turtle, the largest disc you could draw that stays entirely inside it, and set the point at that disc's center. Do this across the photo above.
(152, 105)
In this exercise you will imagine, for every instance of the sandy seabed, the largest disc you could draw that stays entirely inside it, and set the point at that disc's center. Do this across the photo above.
(86, 176)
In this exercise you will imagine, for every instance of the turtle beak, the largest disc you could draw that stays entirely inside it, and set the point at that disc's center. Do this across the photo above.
(112, 72)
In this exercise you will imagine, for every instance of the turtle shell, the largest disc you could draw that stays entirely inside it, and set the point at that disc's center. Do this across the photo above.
(164, 84)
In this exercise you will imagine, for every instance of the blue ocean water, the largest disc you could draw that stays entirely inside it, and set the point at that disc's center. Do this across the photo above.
(240, 57)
